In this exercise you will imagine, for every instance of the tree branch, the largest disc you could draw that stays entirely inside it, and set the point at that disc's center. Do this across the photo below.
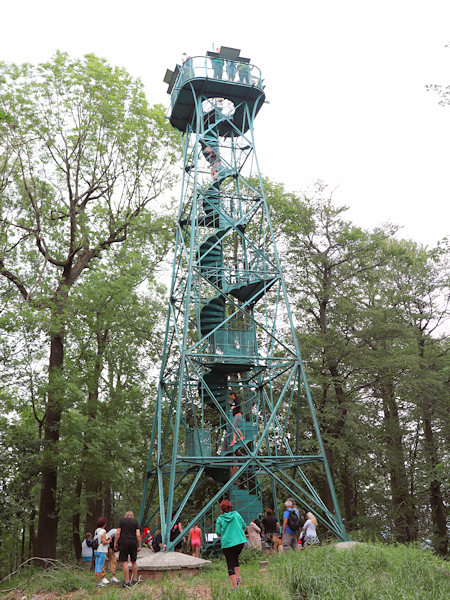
(15, 280)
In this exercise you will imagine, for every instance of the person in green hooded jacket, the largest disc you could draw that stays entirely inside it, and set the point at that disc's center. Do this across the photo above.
(230, 528)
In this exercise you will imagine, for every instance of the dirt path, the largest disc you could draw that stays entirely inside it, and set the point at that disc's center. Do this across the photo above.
(202, 592)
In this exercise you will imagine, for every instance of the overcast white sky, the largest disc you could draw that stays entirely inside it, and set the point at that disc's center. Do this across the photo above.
(345, 80)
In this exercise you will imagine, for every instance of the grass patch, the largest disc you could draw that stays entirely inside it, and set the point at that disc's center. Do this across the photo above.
(365, 572)
(59, 579)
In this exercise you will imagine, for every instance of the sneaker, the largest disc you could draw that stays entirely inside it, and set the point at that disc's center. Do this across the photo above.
(126, 584)
(114, 579)
(105, 581)
(135, 581)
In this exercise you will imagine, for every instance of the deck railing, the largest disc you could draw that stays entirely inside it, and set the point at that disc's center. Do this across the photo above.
(205, 67)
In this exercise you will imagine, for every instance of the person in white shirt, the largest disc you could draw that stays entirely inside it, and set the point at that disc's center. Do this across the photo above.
(310, 530)
(86, 550)
(100, 553)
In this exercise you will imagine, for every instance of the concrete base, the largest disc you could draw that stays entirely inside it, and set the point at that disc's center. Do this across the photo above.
(153, 565)
(346, 545)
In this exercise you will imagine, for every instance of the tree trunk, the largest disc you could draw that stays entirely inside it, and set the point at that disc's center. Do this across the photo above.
(76, 523)
(22, 546)
(405, 519)
(438, 511)
(349, 495)
(325, 492)
(94, 504)
(32, 549)
(94, 481)
(48, 517)
(331, 430)
(107, 511)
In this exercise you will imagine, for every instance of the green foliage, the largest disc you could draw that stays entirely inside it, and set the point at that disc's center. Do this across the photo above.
(370, 572)
(265, 590)
(59, 578)
(250, 556)
(62, 581)
(81, 243)
(365, 304)
(90, 155)
(82, 161)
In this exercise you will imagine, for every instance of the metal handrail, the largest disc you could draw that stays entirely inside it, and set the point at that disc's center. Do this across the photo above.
(231, 71)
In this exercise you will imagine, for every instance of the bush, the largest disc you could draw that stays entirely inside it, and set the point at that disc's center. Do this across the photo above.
(250, 556)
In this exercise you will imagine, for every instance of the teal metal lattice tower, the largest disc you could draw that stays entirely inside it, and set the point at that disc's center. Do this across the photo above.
(229, 325)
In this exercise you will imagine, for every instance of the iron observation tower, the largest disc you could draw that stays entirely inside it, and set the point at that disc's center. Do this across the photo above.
(229, 326)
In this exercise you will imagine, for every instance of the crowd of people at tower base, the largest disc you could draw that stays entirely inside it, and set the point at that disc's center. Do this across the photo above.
(99, 550)
(262, 534)
(265, 534)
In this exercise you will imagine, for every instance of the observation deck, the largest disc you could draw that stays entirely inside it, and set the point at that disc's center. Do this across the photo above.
(215, 75)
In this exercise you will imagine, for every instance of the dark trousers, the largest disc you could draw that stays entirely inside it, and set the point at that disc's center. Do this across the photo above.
(218, 70)
(232, 557)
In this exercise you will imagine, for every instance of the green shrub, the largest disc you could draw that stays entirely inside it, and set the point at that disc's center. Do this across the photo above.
(61, 581)
(251, 556)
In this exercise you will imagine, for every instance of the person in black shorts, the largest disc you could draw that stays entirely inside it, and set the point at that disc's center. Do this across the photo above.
(128, 540)
(175, 532)
(271, 530)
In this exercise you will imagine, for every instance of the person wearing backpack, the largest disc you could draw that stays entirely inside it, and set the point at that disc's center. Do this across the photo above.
(100, 545)
(291, 526)
(87, 554)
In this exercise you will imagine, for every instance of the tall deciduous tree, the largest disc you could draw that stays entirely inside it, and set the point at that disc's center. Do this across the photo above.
(420, 284)
(326, 257)
(112, 350)
(85, 156)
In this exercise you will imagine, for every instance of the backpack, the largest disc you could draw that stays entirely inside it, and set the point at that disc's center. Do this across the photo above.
(293, 521)
(95, 543)
(174, 532)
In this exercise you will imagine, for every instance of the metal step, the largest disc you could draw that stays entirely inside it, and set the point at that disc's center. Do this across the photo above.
(212, 314)
(218, 386)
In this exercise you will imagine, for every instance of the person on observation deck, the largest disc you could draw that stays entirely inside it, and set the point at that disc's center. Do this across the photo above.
(244, 72)
(186, 65)
(231, 70)
(217, 65)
